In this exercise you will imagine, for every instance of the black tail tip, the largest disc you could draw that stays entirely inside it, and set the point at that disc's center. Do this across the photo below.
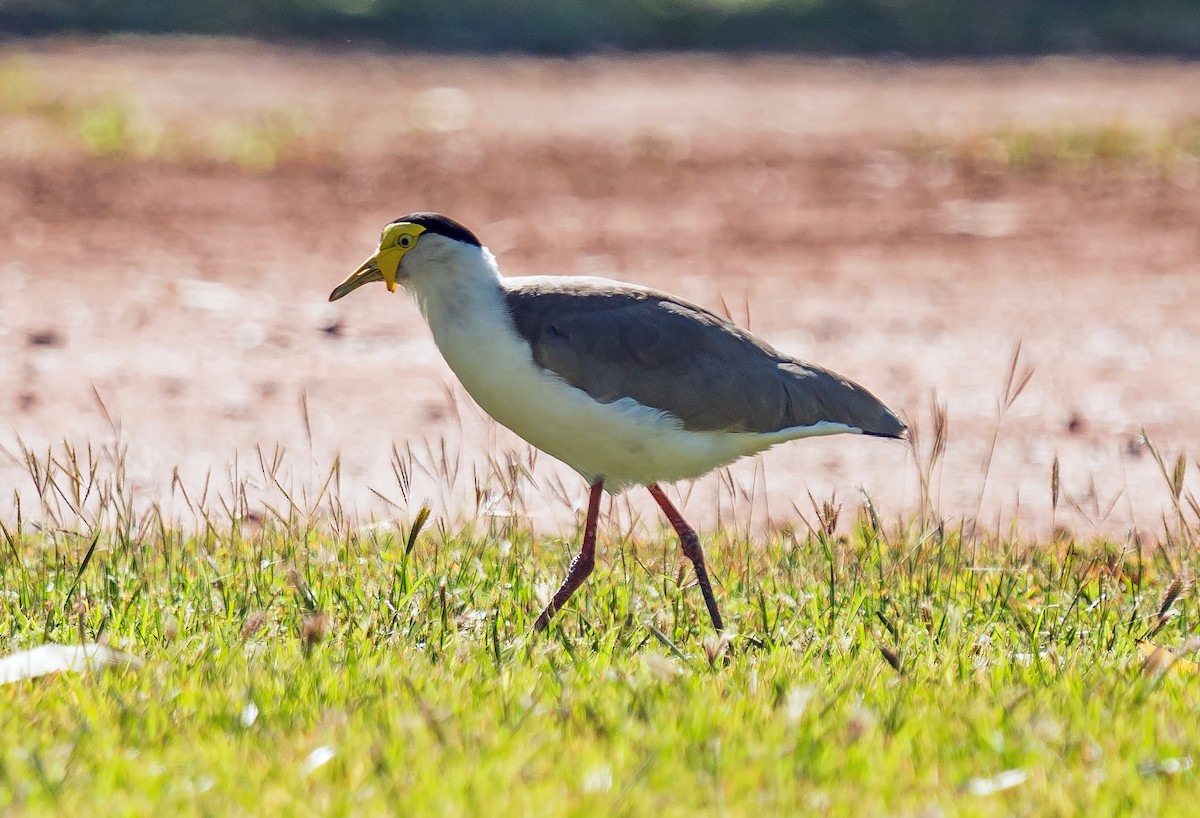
(893, 428)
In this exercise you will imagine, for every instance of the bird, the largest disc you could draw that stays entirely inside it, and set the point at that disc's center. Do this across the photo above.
(628, 385)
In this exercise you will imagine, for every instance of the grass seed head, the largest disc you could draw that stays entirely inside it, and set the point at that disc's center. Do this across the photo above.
(891, 657)
(716, 648)
(313, 630)
(254, 623)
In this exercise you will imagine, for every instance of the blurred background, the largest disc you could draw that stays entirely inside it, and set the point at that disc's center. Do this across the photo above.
(929, 28)
(901, 191)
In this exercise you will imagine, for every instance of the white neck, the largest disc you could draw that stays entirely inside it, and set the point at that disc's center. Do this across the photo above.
(457, 289)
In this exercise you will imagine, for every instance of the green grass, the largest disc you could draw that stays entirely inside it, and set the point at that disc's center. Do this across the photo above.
(295, 663)
(1167, 151)
(113, 126)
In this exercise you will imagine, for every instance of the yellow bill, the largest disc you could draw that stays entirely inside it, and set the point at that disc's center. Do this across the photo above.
(367, 272)
(384, 266)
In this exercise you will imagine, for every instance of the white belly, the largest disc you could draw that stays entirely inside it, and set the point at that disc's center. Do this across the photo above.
(624, 442)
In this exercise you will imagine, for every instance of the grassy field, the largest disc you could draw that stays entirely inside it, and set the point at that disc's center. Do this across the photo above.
(282, 656)
(294, 663)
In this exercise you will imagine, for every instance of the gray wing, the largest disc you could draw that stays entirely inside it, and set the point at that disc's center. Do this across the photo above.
(614, 341)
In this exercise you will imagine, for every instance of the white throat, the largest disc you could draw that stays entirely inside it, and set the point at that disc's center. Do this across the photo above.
(457, 288)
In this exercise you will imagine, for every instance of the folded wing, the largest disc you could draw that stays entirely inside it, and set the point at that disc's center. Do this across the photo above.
(619, 341)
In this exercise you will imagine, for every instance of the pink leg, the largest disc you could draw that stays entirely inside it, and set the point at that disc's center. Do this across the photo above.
(691, 550)
(583, 563)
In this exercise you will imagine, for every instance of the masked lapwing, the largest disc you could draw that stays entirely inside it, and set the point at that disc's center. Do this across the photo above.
(628, 385)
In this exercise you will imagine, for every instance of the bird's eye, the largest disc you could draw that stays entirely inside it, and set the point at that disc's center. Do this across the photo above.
(405, 241)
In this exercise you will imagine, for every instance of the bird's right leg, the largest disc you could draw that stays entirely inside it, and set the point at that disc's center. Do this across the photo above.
(690, 542)
(583, 563)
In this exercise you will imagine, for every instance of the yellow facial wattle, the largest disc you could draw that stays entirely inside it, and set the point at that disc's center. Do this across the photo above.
(397, 239)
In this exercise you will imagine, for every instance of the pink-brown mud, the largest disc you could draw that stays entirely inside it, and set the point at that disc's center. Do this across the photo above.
(191, 295)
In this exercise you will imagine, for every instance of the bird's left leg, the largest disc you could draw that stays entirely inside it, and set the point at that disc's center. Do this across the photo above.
(691, 549)
(583, 563)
